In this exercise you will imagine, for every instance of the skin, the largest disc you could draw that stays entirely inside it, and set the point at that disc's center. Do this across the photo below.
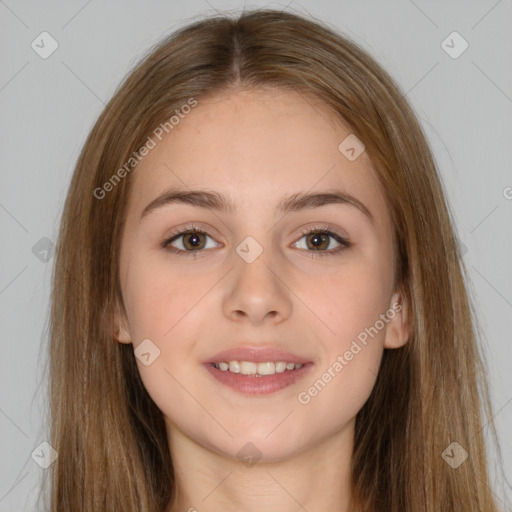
(256, 147)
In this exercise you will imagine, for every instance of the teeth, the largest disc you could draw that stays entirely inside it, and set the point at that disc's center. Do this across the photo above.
(266, 368)
(258, 369)
(280, 367)
(247, 368)
(234, 367)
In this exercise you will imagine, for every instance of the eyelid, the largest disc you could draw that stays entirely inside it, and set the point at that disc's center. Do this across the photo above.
(179, 232)
(190, 228)
(343, 241)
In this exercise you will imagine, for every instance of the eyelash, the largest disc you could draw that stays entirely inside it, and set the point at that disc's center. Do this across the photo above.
(324, 230)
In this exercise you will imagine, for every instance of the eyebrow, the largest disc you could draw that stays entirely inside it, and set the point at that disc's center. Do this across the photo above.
(215, 201)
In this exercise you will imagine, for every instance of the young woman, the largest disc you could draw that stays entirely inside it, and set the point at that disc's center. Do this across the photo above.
(259, 302)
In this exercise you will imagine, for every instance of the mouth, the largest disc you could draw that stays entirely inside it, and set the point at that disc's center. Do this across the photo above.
(257, 370)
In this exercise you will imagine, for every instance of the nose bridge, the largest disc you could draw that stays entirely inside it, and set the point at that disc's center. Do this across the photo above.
(256, 289)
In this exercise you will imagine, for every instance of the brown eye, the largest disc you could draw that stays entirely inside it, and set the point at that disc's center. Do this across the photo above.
(320, 240)
(193, 241)
(190, 241)
(317, 241)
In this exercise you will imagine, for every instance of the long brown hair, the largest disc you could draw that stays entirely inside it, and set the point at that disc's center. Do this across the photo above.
(110, 436)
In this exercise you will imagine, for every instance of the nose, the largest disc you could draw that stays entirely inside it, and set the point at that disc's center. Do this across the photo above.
(256, 293)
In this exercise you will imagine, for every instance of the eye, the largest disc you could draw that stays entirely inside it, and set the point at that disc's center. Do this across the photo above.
(191, 240)
(318, 242)
(321, 240)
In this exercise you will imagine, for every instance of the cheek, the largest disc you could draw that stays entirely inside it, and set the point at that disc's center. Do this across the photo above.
(350, 305)
(158, 299)
(165, 308)
(168, 308)
(346, 374)
(349, 301)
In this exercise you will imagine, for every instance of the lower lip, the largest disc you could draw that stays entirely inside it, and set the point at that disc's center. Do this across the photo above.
(264, 385)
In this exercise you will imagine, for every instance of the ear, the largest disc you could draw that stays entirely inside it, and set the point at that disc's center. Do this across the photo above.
(121, 327)
(398, 329)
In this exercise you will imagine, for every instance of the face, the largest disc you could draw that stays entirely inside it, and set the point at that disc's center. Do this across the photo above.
(284, 281)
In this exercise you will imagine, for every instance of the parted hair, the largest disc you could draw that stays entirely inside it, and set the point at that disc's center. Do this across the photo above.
(110, 437)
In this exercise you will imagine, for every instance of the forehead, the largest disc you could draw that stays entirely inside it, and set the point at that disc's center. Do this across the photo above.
(255, 145)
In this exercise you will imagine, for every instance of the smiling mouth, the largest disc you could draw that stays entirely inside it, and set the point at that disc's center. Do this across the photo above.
(256, 369)
(257, 379)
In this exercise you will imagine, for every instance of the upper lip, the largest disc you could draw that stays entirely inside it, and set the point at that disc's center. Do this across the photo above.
(257, 354)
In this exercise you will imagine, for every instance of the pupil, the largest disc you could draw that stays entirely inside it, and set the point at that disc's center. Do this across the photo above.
(194, 240)
(317, 239)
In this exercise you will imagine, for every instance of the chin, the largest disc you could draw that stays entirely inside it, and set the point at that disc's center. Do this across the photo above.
(254, 446)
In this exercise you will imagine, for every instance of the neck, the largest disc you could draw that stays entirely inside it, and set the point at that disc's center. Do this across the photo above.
(313, 479)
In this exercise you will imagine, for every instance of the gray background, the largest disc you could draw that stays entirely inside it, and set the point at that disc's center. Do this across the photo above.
(47, 107)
